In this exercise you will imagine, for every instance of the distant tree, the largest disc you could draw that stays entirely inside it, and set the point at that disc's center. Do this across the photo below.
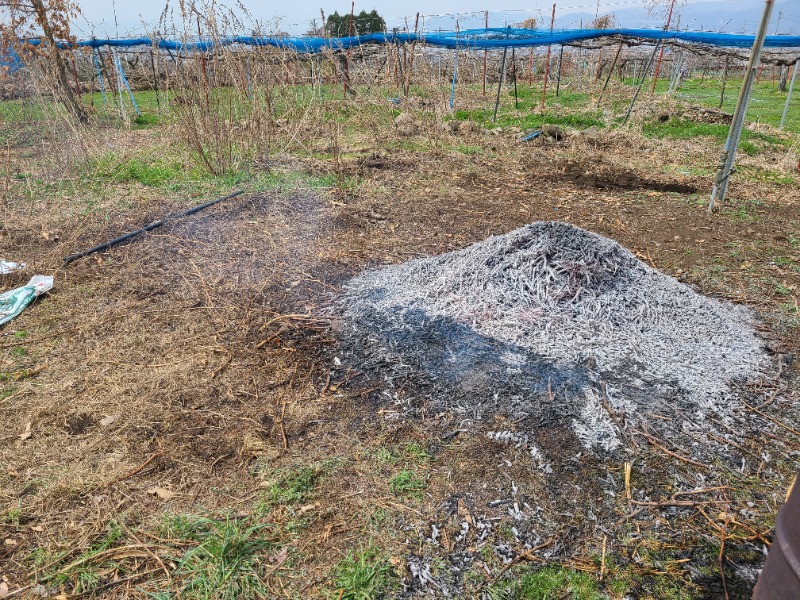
(49, 21)
(531, 23)
(663, 8)
(604, 22)
(363, 23)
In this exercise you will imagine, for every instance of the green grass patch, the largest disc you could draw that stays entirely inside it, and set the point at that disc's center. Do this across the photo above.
(295, 484)
(146, 119)
(407, 483)
(766, 104)
(415, 452)
(765, 175)
(683, 129)
(363, 575)
(548, 583)
(226, 561)
(468, 150)
(409, 453)
(151, 171)
(13, 516)
(83, 573)
(524, 120)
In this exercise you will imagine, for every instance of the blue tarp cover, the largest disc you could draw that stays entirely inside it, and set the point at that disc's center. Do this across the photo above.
(508, 37)
(9, 59)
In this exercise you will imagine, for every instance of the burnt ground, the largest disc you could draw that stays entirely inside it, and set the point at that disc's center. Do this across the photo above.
(191, 371)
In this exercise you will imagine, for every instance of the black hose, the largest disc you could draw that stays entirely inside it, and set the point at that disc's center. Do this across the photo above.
(151, 226)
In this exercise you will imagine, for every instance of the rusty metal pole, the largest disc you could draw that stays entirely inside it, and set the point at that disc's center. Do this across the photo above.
(735, 132)
(547, 64)
(661, 54)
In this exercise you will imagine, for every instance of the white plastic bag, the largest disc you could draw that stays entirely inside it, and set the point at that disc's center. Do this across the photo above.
(13, 302)
(9, 266)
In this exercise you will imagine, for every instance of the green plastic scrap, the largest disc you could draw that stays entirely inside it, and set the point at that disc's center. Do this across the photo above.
(13, 302)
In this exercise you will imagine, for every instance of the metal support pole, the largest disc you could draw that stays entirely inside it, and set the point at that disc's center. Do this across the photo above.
(486, 26)
(455, 80)
(641, 83)
(514, 66)
(610, 72)
(500, 84)
(558, 70)
(735, 132)
(789, 95)
(155, 79)
(547, 64)
(724, 82)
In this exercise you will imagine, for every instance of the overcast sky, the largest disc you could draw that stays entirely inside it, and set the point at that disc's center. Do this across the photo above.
(295, 17)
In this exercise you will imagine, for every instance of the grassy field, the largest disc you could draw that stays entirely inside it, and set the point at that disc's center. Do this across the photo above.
(175, 425)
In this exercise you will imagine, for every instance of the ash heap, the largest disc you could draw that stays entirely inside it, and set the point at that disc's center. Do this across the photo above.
(553, 326)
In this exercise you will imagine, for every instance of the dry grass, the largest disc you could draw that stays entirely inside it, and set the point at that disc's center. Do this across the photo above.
(165, 377)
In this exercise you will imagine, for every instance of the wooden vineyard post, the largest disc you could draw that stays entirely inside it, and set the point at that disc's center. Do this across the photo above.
(547, 64)
(347, 89)
(155, 79)
(75, 73)
(735, 132)
(410, 66)
(398, 65)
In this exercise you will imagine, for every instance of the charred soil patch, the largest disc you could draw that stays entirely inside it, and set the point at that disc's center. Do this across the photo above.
(600, 175)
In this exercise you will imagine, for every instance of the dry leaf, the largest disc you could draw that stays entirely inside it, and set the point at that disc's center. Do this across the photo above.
(280, 556)
(37, 528)
(9, 542)
(3, 589)
(162, 493)
(106, 421)
(307, 508)
(27, 433)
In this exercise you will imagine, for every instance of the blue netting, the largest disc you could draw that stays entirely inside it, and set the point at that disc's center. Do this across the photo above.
(481, 39)
(9, 60)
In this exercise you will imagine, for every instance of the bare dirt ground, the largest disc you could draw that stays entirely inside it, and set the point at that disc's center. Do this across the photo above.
(189, 371)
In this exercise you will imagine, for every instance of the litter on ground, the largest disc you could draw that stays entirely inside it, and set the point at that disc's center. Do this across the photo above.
(13, 302)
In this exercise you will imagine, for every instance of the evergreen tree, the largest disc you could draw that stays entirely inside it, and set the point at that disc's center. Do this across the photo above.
(363, 23)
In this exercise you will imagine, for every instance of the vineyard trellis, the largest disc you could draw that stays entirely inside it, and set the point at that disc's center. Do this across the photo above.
(191, 71)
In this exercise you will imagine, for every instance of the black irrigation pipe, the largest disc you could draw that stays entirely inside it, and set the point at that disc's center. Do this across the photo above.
(151, 226)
